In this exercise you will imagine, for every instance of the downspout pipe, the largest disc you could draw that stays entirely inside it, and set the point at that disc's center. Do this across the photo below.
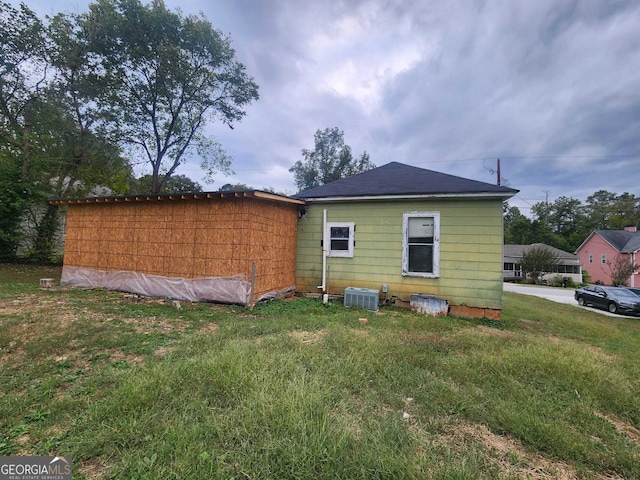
(323, 287)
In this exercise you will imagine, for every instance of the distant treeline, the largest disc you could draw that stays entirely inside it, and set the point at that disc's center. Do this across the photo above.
(566, 222)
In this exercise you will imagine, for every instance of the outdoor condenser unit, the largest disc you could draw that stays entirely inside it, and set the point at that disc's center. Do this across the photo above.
(361, 297)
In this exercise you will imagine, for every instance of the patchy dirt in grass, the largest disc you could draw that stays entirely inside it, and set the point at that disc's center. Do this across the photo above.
(625, 429)
(361, 332)
(39, 311)
(149, 325)
(130, 358)
(308, 337)
(597, 351)
(429, 339)
(494, 332)
(512, 459)
(41, 323)
(164, 351)
(209, 328)
(92, 468)
(80, 361)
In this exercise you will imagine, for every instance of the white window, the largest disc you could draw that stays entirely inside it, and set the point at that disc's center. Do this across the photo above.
(604, 258)
(339, 239)
(421, 244)
(590, 258)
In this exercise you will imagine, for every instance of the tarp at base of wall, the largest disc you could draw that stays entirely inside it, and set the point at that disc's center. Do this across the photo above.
(236, 289)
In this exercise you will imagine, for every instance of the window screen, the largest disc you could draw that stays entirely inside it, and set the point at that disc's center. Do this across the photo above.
(420, 244)
(339, 238)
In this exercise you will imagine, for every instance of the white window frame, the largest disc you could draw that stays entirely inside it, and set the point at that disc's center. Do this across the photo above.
(590, 258)
(604, 258)
(327, 239)
(436, 244)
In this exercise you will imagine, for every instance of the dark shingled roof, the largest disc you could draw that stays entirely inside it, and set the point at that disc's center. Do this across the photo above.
(621, 240)
(398, 179)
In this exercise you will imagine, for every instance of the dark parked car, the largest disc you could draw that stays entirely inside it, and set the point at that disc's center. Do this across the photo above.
(635, 290)
(614, 299)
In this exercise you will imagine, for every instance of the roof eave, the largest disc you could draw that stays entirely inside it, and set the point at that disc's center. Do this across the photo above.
(180, 196)
(426, 196)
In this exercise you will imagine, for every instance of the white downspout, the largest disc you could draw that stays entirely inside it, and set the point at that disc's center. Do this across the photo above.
(633, 275)
(323, 287)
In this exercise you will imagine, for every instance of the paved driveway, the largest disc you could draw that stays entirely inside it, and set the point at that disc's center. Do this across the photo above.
(560, 295)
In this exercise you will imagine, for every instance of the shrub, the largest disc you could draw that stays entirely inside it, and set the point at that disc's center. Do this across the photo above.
(560, 281)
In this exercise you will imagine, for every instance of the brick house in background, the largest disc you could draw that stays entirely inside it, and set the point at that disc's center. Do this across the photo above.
(603, 247)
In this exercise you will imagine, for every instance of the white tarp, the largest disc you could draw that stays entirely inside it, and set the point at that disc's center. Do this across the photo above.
(235, 289)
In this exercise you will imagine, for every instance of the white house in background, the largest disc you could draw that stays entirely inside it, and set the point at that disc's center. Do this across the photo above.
(568, 263)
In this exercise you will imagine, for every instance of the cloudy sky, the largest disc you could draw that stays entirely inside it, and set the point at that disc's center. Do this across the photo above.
(551, 87)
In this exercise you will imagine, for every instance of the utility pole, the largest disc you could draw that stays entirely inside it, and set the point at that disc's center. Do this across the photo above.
(546, 207)
(498, 171)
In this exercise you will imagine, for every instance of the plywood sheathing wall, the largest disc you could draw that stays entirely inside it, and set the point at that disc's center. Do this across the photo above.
(187, 239)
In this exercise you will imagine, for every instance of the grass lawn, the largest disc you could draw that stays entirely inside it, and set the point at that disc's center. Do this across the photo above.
(299, 390)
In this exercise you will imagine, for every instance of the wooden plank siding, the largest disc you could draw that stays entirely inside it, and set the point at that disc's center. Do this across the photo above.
(218, 237)
(471, 239)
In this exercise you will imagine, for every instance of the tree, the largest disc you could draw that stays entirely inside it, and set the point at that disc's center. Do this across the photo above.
(517, 227)
(22, 70)
(537, 261)
(625, 211)
(71, 162)
(175, 184)
(227, 187)
(620, 270)
(600, 208)
(566, 221)
(49, 141)
(165, 82)
(330, 160)
(12, 204)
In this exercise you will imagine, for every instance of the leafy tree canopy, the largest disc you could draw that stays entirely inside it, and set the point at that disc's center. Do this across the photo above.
(78, 91)
(164, 82)
(174, 184)
(620, 270)
(566, 222)
(330, 160)
(537, 261)
(228, 187)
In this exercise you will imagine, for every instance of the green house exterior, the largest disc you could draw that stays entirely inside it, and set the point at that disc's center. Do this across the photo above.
(372, 234)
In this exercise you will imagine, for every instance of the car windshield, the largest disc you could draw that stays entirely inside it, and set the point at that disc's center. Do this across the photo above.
(622, 292)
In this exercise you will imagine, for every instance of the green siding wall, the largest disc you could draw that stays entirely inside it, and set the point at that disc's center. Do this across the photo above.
(471, 239)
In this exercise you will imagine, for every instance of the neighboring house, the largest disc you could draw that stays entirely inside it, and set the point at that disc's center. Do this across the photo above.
(405, 230)
(603, 247)
(568, 263)
(230, 247)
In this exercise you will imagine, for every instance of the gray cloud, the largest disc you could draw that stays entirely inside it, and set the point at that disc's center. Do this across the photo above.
(551, 87)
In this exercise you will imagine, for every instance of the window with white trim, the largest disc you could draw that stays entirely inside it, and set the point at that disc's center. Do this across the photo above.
(604, 258)
(590, 258)
(421, 244)
(339, 238)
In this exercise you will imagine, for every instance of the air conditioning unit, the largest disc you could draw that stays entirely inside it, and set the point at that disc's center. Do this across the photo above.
(362, 298)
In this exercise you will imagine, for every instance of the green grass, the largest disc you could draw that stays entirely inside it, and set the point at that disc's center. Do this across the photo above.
(296, 389)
